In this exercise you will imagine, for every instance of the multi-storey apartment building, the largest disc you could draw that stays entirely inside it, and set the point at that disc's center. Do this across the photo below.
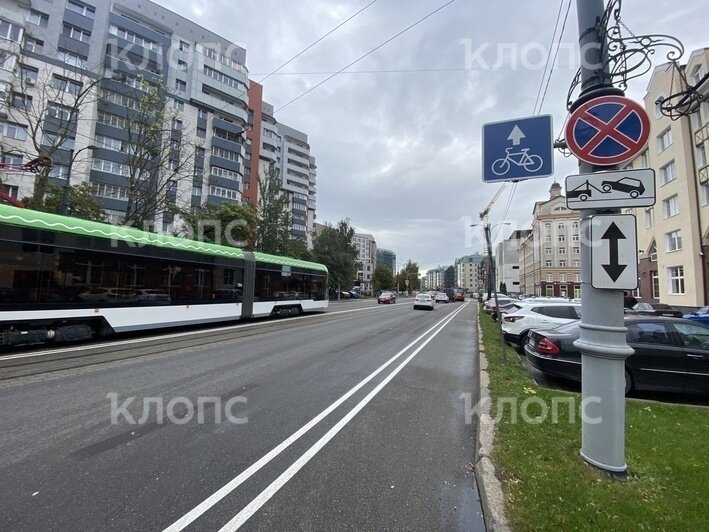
(387, 258)
(115, 52)
(507, 261)
(467, 272)
(366, 259)
(435, 278)
(673, 236)
(555, 249)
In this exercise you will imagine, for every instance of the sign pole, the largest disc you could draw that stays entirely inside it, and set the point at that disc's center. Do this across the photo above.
(602, 340)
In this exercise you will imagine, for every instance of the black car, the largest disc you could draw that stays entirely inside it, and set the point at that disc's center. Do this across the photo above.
(634, 187)
(655, 309)
(670, 354)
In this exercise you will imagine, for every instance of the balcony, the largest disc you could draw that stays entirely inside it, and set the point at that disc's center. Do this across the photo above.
(702, 134)
(703, 173)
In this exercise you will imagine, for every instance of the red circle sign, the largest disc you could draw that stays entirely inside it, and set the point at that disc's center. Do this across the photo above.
(607, 130)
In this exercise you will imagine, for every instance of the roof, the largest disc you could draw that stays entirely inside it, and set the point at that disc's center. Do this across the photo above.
(64, 224)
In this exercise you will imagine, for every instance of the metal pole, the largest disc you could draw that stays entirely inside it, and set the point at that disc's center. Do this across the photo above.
(493, 280)
(602, 340)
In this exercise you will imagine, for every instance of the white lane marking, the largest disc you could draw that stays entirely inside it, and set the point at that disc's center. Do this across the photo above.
(222, 492)
(262, 498)
(180, 335)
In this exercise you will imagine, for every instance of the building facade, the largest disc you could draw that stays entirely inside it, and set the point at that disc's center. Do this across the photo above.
(507, 261)
(673, 235)
(555, 249)
(387, 258)
(115, 53)
(467, 272)
(366, 259)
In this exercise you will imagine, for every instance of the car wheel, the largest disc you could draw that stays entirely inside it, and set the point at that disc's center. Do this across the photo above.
(522, 341)
(629, 385)
(606, 188)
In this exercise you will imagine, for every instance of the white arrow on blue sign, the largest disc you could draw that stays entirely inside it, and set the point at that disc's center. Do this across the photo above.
(514, 150)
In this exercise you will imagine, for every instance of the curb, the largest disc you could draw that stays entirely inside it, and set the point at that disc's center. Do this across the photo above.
(492, 497)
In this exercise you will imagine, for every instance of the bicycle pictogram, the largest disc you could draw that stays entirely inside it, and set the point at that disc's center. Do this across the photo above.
(531, 163)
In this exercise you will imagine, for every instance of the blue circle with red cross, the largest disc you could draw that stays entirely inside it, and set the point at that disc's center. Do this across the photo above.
(607, 130)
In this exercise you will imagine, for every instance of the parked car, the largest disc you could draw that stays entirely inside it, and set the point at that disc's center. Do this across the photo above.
(506, 309)
(489, 305)
(441, 297)
(634, 187)
(354, 294)
(654, 309)
(423, 301)
(516, 325)
(151, 294)
(671, 354)
(386, 297)
(701, 315)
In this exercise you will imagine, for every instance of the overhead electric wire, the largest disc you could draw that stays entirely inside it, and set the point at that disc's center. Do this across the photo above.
(366, 54)
(538, 110)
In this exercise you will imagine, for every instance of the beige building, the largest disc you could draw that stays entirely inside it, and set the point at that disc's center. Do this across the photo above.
(673, 236)
(552, 253)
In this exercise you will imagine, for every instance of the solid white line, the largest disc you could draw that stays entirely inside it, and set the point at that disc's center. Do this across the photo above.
(218, 495)
(262, 498)
(182, 334)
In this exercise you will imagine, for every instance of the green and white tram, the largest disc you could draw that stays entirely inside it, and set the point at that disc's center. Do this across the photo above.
(66, 279)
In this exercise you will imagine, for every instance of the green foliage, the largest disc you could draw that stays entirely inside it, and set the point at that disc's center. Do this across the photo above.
(225, 223)
(298, 249)
(503, 287)
(549, 487)
(334, 249)
(410, 271)
(82, 203)
(383, 279)
(274, 220)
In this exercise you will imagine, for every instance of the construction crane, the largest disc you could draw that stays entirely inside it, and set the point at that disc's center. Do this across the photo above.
(484, 214)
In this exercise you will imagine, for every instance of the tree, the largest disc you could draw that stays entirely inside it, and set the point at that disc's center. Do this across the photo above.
(274, 219)
(410, 271)
(225, 223)
(159, 155)
(298, 249)
(47, 102)
(382, 279)
(334, 248)
(503, 287)
(82, 202)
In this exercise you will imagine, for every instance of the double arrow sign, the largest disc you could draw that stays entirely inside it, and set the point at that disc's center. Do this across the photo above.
(614, 260)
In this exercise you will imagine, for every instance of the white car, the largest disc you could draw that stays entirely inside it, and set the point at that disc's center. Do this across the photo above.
(424, 301)
(442, 297)
(542, 315)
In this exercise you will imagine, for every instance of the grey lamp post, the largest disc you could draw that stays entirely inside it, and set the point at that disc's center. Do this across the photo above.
(65, 192)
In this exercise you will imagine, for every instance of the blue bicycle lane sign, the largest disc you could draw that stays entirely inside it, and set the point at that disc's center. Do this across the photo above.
(514, 150)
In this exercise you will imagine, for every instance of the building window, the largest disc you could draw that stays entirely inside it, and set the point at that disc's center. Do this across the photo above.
(574, 225)
(674, 240)
(547, 226)
(562, 277)
(10, 32)
(676, 278)
(66, 85)
(670, 206)
(180, 85)
(577, 277)
(550, 277)
(201, 132)
(649, 217)
(60, 142)
(668, 173)
(137, 39)
(196, 191)
(61, 112)
(562, 264)
(223, 192)
(110, 167)
(178, 105)
(28, 74)
(695, 119)
(202, 114)
(103, 190)
(549, 251)
(547, 238)
(176, 124)
(13, 131)
(81, 9)
(59, 171)
(184, 46)
(38, 18)
(11, 190)
(655, 284)
(575, 237)
(653, 252)
(76, 33)
(576, 263)
(548, 263)
(562, 251)
(70, 58)
(700, 156)
(113, 144)
(561, 226)
(12, 159)
(664, 140)
(112, 120)
(576, 250)
(705, 192)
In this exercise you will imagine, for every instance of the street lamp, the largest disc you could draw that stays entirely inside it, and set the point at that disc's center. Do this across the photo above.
(65, 191)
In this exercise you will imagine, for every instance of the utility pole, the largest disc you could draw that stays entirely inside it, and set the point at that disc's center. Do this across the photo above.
(602, 340)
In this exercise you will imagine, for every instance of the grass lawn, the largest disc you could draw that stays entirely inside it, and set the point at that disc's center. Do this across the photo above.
(549, 487)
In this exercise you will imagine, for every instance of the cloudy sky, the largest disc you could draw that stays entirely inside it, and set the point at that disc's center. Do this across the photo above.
(398, 150)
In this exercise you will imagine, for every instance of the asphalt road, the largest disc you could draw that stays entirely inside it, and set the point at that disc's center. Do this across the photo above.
(348, 420)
